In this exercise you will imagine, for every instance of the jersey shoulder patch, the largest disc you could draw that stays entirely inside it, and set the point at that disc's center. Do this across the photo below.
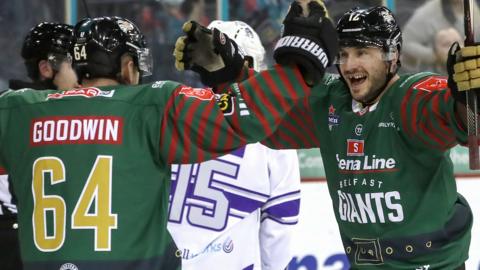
(198, 93)
(431, 83)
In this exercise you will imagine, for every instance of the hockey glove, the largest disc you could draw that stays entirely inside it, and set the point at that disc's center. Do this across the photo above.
(463, 66)
(311, 42)
(210, 53)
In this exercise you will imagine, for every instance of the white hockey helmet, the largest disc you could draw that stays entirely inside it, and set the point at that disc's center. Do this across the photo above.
(246, 38)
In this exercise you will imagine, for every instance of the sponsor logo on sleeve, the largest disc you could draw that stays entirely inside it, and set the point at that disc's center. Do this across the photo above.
(198, 93)
(226, 103)
(88, 92)
(333, 118)
(228, 245)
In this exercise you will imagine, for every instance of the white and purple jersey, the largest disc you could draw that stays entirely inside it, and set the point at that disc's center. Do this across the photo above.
(7, 204)
(236, 211)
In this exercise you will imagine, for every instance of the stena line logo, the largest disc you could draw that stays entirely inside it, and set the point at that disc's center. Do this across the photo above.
(88, 92)
(76, 130)
(355, 147)
(365, 164)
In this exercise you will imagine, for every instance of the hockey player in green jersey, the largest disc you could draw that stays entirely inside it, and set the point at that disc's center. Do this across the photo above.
(90, 165)
(385, 140)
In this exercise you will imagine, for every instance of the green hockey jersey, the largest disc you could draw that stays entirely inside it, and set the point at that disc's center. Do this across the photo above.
(389, 173)
(90, 166)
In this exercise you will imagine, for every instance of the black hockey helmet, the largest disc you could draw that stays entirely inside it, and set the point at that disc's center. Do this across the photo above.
(99, 44)
(46, 41)
(374, 26)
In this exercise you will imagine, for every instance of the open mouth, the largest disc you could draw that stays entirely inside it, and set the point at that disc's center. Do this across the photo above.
(357, 79)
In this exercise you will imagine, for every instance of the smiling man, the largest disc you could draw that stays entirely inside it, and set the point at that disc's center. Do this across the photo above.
(385, 142)
(386, 152)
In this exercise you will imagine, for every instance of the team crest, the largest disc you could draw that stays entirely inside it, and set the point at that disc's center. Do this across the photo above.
(333, 118)
(125, 26)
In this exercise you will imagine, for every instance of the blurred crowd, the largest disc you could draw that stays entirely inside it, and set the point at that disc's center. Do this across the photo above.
(429, 26)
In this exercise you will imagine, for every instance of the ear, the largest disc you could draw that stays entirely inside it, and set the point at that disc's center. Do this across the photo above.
(394, 65)
(45, 70)
(129, 73)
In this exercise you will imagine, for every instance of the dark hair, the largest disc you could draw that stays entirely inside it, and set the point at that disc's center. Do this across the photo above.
(43, 39)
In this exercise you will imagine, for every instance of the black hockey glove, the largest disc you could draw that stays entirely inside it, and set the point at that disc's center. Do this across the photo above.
(210, 53)
(463, 66)
(310, 42)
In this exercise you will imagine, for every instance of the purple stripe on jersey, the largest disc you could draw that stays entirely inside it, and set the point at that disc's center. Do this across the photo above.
(286, 209)
(240, 152)
(278, 220)
(283, 195)
(244, 190)
(242, 203)
(250, 267)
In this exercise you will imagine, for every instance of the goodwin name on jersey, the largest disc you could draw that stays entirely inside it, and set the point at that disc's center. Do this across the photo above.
(76, 130)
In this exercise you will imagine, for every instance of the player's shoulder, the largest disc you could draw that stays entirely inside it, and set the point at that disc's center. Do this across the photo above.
(148, 93)
(11, 98)
(330, 82)
(423, 81)
(270, 152)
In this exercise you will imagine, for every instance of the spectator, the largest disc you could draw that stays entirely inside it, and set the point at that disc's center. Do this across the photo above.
(443, 40)
(420, 30)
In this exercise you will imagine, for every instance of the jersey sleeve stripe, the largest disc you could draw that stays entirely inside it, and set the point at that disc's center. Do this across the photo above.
(248, 99)
(404, 113)
(176, 140)
(305, 122)
(428, 129)
(414, 107)
(202, 128)
(269, 102)
(276, 86)
(442, 120)
(167, 137)
(189, 111)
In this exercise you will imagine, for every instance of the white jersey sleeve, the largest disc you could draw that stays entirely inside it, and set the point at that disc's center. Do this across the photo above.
(281, 210)
(7, 206)
(224, 212)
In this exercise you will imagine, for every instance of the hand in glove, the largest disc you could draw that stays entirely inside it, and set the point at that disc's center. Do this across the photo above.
(210, 53)
(463, 66)
(310, 41)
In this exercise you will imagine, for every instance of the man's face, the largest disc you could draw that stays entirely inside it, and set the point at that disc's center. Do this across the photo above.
(364, 70)
(65, 78)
